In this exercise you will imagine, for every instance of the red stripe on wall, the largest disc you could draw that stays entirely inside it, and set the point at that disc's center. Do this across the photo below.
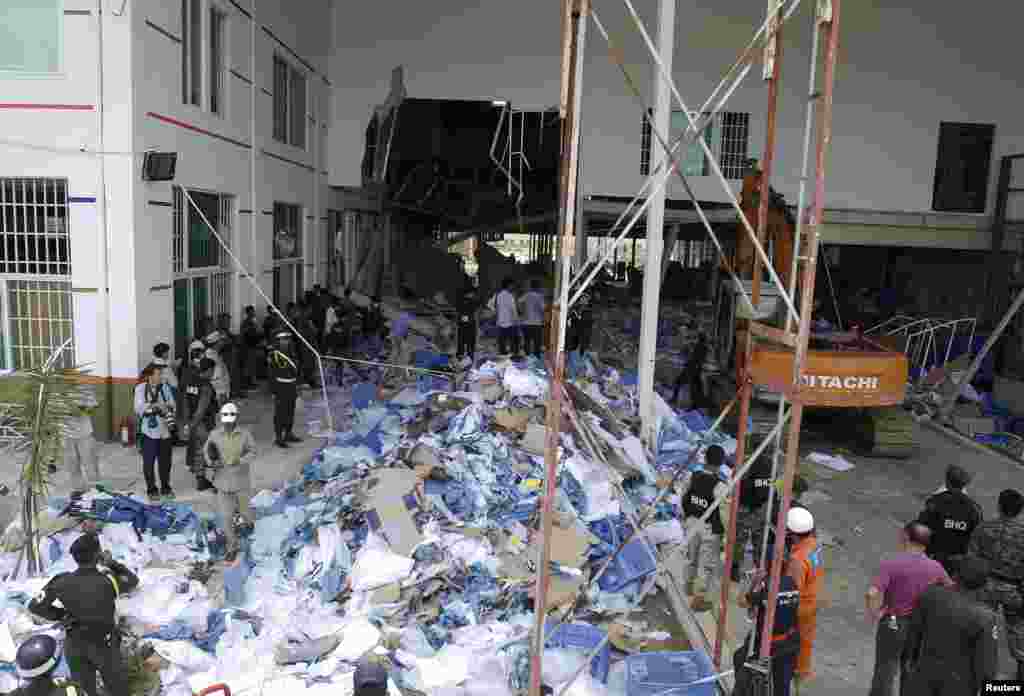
(195, 129)
(47, 107)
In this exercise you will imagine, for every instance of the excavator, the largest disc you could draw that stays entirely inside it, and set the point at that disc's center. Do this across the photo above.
(844, 369)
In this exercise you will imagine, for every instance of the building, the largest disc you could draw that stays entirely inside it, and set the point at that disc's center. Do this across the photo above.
(895, 109)
(93, 253)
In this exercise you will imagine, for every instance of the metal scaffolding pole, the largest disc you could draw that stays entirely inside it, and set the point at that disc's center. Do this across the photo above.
(773, 67)
(655, 229)
(574, 22)
(828, 23)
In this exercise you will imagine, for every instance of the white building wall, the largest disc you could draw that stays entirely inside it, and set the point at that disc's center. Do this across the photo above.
(57, 117)
(215, 152)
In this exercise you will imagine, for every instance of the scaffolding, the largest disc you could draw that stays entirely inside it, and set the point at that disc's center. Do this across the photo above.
(817, 136)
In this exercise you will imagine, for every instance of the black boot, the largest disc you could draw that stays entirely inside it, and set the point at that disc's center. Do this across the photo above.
(280, 440)
(290, 437)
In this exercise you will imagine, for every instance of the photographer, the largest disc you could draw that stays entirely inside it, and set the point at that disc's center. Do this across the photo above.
(154, 406)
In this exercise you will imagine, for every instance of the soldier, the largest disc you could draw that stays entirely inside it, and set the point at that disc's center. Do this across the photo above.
(1001, 543)
(188, 386)
(705, 540)
(198, 418)
(36, 660)
(953, 638)
(755, 490)
(952, 517)
(284, 375)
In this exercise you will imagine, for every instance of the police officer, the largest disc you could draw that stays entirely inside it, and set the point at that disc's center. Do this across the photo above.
(199, 419)
(953, 638)
(755, 489)
(785, 638)
(284, 375)
(188, 385)
(87, 598)
(1001, 543)
(952, 516)
(704, 540)
(35, 661)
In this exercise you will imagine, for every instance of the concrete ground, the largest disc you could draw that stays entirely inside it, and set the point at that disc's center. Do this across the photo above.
(859, 514)
(121, 467)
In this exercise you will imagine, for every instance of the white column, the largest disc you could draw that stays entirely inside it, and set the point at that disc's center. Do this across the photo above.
(655, 227)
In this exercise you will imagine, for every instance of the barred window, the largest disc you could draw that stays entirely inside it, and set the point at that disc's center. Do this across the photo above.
(727, 137)
(34, 227)
(290, 104)
(287, 231)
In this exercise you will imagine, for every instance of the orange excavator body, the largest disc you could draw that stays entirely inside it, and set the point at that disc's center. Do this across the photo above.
(843, 370)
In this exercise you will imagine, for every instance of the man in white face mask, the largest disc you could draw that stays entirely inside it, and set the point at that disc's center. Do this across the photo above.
(229, 452)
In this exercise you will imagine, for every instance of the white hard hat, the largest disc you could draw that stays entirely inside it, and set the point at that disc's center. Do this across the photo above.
(229, 413)
(799, 520)
(196, 345)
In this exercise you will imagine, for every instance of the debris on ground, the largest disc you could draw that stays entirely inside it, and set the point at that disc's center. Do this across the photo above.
(409, 537)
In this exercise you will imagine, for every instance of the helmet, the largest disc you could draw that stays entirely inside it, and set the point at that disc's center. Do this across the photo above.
(799, 520)
(282, 335)
(229, 413)
(212, 338)
(37, 657)
(196, 345)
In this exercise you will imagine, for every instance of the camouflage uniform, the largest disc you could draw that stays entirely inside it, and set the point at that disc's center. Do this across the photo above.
(1001, 543)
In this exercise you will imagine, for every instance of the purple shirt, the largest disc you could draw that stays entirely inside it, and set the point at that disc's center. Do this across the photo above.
(902, 578)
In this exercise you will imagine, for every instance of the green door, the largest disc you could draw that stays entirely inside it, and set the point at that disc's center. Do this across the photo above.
(200, 303)
(182, 334)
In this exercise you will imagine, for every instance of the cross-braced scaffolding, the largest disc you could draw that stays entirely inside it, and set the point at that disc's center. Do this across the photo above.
(817, 136)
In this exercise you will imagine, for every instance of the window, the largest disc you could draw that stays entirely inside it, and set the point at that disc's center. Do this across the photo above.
(191, 52)
(290, 111)
(727, 136)
(202, 269)
(962, 167)
(217, 21)
(34, 227)
(31, 39)
(287, 231)
(36, 314)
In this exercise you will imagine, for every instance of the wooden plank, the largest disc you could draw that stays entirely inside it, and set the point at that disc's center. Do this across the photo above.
(772, 334)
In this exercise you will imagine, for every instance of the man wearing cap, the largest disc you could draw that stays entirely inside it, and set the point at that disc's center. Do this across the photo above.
(87, 600)
(199, 419)
(189, 384)
(229, 453)
(161, 353)
(284, 376)
(892, 597)
(1001, 543)
(806, 568)
(952, 516)
(953, 638)
(36, 660)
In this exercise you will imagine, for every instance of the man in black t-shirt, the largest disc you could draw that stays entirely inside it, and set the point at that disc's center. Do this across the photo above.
(952, 516)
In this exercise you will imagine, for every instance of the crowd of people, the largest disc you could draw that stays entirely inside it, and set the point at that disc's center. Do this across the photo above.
(941, 601)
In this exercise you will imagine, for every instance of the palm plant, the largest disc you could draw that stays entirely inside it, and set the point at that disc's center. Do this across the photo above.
(36, 407)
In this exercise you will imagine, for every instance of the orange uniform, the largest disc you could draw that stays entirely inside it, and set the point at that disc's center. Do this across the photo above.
(807, 569)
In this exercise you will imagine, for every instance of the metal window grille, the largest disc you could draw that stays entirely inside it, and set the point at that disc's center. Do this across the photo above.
(220, 294)
(217, 21)
(34, 227)
(280, 100)
(192, 52)
(732, 155)
(287, 231)
(40, 318)
(297, 109)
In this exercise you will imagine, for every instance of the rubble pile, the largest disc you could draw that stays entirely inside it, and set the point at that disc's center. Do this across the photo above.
(411, 536)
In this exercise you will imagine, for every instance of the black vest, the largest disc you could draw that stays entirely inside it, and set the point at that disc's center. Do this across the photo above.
(700, 497)
(952, 517)
(757, 485)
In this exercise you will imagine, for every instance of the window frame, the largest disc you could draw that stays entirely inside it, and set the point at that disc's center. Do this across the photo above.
(61, 69)
(193, 72)
(714, 136)
(939, 202)
(285, 120)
